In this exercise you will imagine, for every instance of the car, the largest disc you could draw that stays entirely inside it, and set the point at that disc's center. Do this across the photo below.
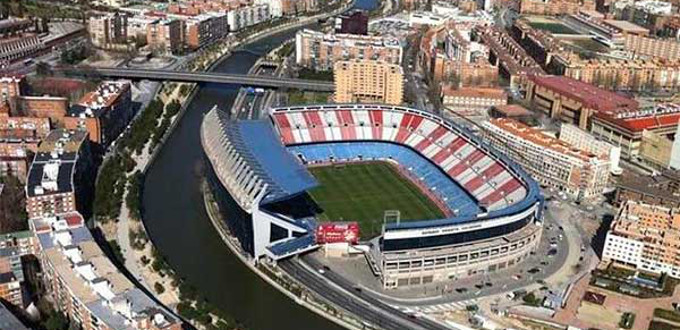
(321, 271)
(461, 290)
(488, 284)
(517, 277)
(552, 252)
(544, 263)
(533, 270)
(561, 228)
(479, 285)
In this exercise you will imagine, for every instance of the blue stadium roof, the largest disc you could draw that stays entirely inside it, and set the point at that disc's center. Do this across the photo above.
(260, 145)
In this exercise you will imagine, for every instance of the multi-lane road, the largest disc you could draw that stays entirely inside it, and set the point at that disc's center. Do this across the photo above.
(343, 294)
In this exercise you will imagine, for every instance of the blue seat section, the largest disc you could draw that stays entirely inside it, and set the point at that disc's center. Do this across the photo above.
(259, 145)
(293, 246)
(456, 198)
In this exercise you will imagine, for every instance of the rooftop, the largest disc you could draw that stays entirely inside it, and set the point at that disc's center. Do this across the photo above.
(589, 95)
(8, 320)
(264, 152)
(54, 163)
(512, 110)
(479, 92)
(660, 116)
(353, 39)
(94, 102)
(535, 136)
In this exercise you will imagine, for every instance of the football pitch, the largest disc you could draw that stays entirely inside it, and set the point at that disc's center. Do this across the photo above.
(362, 192)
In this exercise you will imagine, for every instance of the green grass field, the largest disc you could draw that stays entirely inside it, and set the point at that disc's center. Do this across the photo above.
(362, 192)
(553, 27)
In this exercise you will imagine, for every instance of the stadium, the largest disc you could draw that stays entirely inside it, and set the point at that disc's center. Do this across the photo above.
(463, 208)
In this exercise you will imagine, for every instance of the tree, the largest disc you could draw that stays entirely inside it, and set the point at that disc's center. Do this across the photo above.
(159, 288)
(56, 321)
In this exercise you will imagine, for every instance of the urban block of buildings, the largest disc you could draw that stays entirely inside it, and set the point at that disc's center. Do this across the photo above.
(462, 61)
(367, 81)
(551, 162)
(86, 285)
(644, 237)
(320, 51)
(554, 7)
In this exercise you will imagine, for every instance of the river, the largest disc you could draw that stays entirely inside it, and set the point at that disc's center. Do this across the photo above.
(179, 227)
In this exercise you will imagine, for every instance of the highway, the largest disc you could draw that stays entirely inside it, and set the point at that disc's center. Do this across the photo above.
(342, 293)
(200, 77)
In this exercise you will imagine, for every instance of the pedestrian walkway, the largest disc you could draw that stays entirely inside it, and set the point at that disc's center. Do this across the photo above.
(439, 308)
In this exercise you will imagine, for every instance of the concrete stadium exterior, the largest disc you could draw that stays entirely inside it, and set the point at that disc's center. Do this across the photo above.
(494, 208)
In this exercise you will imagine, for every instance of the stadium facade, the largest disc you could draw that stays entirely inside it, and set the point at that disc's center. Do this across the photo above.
(493, 208)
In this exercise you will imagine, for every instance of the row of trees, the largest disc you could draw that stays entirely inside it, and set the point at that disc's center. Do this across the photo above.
(110, 186)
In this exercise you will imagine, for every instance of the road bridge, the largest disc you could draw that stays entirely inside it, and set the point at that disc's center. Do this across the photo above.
(200, 77)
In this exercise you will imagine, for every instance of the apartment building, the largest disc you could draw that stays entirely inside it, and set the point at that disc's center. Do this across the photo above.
(244, 17)
(463, 62)
(320, 51)
(625, 129)
(295, 7)
(636, 75)
(60, 177)
(513, 61)
(19, 136)
(553, 163)
(662, 48)
(366, 81)
(166, 35)
(138, 26)
(108, 31)
(554, 7)
(573, 101)
(13, 246)
(205, 29)
(87, 286)
(472, 102)
(10, 87)
(103, 113)
(645, 237)
(585, 141)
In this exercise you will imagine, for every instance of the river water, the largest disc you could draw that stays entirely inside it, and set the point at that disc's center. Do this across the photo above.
(179, 227)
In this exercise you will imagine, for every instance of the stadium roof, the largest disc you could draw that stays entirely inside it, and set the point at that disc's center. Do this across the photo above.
(261, 146)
